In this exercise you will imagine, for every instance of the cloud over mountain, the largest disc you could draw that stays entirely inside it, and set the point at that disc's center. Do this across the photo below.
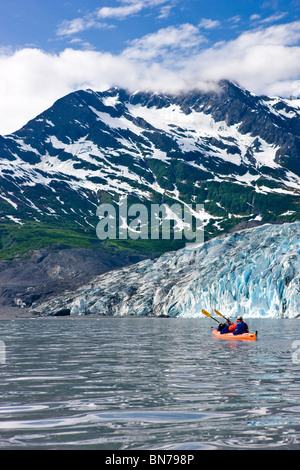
(265, 60)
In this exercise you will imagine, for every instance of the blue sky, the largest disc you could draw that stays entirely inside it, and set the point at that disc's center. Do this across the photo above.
(109, 25)
(48, 49)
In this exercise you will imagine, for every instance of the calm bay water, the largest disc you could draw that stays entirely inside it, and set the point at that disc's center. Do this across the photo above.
(142, 383)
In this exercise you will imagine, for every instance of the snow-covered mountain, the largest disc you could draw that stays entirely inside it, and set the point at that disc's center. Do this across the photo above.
(254, 272)
(237, 153)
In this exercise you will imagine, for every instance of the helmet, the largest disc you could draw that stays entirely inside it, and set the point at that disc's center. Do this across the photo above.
(240, 318)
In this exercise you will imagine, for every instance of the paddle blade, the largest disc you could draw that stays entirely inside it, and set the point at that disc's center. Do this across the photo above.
(206, 313)
(209, 315)
(218, 313)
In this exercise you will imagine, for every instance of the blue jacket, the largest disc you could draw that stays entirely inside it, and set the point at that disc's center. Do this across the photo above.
(241, 327)
(225, 329)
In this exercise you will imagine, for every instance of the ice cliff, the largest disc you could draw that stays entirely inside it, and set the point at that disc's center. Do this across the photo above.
(255, 272)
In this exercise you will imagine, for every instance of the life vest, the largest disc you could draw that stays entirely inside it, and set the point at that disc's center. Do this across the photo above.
(241, 327)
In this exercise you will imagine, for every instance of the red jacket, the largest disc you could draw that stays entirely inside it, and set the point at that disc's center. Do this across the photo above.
(234, 325)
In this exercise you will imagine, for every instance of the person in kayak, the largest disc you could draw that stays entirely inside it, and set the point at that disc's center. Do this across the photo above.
(237, 328)
(240, 327)
(225, 327)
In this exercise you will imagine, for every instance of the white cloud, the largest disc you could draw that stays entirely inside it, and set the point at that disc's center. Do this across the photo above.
(165, 42)
(92, 20)
(68, 28)
(120, 12)
(207, 23)
(274, 18)
(264, 60)
(270, 19)
(31, 80)
(234, 19)
(165, 11)
(296, 88)
(255, 17)
(95, 18)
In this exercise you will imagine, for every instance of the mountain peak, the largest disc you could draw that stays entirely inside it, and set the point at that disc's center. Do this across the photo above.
(233, 151)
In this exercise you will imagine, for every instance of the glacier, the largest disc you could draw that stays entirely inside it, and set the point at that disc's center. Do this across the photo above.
(253, 272)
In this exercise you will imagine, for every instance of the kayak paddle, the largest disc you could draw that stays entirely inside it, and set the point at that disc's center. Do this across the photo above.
(218, 313)
(209, 315)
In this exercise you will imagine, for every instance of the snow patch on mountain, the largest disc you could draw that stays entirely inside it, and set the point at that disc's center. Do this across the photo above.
(155, 147)
(194, 128)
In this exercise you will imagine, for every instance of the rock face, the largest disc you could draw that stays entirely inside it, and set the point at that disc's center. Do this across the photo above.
(255, 272)
(49, 272)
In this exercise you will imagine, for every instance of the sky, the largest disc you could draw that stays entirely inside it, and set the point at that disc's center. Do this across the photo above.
(49, 49)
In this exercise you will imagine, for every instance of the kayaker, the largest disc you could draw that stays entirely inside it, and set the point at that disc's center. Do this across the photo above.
(240, 327)
(232, 327)
(226, 327)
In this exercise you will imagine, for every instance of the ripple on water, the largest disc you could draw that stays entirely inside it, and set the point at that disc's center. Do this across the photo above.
(145, 383)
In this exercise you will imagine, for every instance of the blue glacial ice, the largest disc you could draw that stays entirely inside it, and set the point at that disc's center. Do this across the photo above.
(255, 273)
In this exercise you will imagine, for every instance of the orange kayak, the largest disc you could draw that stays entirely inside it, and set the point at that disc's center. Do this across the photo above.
(243, 336)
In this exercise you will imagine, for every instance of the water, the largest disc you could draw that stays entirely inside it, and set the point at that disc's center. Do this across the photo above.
(130, 383)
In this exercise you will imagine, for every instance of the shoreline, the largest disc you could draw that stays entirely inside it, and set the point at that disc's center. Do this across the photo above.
(10, 313)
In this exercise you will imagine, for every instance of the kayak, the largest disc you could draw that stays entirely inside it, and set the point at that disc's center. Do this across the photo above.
(243, 336)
